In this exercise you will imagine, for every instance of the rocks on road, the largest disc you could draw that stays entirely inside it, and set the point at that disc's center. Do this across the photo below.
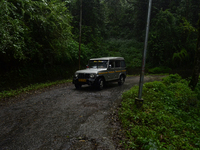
(65, 118)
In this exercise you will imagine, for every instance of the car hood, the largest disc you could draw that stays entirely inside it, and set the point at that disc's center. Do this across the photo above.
(91, 70)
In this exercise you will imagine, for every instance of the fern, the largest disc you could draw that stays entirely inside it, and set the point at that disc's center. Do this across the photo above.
(180, 55)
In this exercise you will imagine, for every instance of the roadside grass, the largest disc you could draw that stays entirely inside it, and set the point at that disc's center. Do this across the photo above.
(12, 93)
(168, 119)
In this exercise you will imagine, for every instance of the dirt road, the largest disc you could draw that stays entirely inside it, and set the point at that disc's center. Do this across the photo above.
(63, 118)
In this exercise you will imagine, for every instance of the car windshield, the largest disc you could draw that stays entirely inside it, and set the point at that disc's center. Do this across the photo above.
(98, 63)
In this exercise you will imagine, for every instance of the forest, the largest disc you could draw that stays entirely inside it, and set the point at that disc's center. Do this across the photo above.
(39, 39)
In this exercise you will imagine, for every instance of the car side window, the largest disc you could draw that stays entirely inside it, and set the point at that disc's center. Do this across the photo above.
(111, 62)
(123, 63)
(117, 63)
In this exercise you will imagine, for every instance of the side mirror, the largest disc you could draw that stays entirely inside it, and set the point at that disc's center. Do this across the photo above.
(109, 66)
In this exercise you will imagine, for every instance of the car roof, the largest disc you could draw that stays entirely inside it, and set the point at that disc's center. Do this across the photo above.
(108, 58)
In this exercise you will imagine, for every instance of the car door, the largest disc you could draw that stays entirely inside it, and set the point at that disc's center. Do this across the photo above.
(117, 69)
(111, 70)
(123, 67)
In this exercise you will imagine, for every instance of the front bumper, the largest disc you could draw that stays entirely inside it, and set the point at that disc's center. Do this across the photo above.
(88, 81)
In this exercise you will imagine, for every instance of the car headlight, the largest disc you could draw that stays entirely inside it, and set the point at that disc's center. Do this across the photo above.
(76, 75)
(92, 75)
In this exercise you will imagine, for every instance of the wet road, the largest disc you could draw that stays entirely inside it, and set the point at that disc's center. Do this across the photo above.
(63, 118)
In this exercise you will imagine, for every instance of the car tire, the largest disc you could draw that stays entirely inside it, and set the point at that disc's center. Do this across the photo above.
(121, 80)
(78, 86)
(100, 84)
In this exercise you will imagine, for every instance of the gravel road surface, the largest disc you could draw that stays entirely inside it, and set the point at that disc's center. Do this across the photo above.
(64, 118)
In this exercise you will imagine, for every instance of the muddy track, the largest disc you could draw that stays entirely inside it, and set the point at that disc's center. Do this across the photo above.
(64, 118)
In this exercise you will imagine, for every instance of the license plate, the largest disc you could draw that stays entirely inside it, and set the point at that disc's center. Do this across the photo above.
(82, 80)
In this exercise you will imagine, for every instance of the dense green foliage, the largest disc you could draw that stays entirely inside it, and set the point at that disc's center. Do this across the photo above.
(34, 36)
(158, 70)
(169, 118)
(172, 41)
(196, 68)
(43, 36)
(35, 31)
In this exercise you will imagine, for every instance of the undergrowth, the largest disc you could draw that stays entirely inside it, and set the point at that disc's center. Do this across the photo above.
(11, 93)
(158, 70)
(168, 119)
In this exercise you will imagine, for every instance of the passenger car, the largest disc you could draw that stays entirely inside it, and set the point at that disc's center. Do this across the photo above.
(99, 71)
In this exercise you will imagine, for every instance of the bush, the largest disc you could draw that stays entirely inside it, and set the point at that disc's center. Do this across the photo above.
(168, 119)
(172, 78)
(158, 70)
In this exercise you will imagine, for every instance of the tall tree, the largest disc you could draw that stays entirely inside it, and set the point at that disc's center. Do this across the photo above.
(33, 31)
(195, 75)
(92, 20)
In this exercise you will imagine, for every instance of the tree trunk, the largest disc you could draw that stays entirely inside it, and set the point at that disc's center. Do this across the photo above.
(195, 75)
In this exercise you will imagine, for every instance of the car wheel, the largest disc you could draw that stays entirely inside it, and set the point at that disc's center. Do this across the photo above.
(121, 80)
(100, 84)
(78, 86)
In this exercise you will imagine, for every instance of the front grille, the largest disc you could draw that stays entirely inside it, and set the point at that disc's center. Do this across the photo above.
(83, 76)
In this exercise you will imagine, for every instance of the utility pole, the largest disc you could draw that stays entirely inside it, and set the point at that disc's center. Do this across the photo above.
(139, 100)
(80, 34)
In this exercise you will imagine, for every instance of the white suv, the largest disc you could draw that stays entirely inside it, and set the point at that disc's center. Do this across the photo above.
(99, 71)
